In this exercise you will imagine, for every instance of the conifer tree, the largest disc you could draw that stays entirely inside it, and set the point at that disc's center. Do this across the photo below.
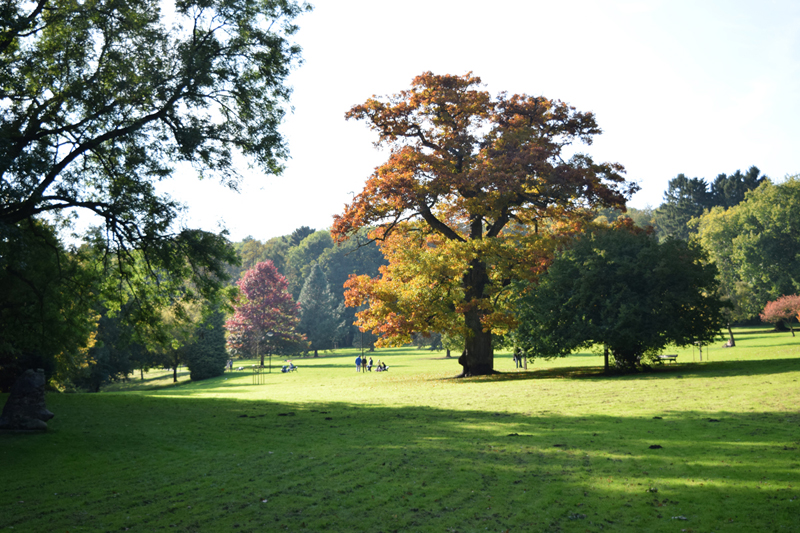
(320, 316)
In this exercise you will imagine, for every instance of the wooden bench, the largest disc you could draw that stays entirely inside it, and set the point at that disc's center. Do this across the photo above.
(671, 358)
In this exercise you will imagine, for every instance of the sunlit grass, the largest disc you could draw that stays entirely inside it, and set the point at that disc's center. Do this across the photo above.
(559, 447)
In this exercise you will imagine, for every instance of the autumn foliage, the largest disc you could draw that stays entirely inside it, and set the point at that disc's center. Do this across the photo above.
(472, 192)
(784, 309)
(264, 306)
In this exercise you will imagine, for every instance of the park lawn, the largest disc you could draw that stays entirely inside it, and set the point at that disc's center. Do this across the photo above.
(559, 447)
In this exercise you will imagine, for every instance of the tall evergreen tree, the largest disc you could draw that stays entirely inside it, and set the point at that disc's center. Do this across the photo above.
(207, 356)
(685, 199)
(320, 316)
(688, 198)
(728, 191)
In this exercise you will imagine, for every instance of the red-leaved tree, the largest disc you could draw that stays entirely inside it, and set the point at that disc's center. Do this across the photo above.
(784, 309)
(265, 315)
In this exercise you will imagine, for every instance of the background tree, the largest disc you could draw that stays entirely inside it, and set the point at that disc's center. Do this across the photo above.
(264, 306)
(102, 98)
(206, 356)
(298, 236)
(320, 315)
(300, 259)
(176, 332)
(685, 199)
(782, 311)
(465, 165)
(756, 245)
(728, 191)
(622, 288)
(47, 298)
(644, 218)
(352, 257)
(114, 356)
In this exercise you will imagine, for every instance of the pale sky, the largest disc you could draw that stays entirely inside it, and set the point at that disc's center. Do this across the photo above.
(694, 87)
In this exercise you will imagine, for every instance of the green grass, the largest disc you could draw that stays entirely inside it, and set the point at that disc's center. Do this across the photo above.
(559, 447)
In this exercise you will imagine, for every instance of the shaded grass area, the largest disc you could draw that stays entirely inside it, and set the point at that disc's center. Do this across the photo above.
(146, 464)
(557, 448)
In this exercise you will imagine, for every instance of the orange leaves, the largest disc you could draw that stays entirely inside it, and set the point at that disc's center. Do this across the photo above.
(475, 194)
(423, 287)
(460, 153)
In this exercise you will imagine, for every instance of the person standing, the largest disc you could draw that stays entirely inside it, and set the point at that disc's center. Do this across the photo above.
(358, 363)
(364, 364)
(369, 366)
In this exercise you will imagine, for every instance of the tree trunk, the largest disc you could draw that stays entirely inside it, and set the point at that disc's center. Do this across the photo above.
(448, 353)
(605, 358)
(478, 356)
(141, 370)
(731, 342)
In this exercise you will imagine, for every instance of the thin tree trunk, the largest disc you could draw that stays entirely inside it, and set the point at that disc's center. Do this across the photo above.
(731, 342)
(605, 357)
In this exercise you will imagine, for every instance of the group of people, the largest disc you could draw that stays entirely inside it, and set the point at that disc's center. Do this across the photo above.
(364, 365)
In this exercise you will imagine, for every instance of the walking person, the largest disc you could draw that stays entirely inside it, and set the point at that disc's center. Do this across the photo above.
(369, 366)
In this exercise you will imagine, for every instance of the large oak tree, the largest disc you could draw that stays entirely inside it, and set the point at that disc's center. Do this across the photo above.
(473, 173)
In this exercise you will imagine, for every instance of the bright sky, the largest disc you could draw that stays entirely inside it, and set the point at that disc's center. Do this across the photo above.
(695, 87)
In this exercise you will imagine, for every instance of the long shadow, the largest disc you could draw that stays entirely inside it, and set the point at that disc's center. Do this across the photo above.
(665, 371)
(426, 469)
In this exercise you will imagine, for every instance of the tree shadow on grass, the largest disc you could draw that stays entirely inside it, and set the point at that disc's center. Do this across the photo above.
(665, 371)
(207, 464)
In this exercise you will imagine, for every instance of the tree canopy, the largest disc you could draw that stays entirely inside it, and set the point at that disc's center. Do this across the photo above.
(782, 311)
(688, 198)
(320, 315)
(264, 314)
(46, 302)
(465, 171)
(102, 99)
(622, 288)
(756, 245)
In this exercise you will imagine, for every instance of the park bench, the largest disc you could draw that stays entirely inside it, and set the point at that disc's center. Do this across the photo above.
(671, 358)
